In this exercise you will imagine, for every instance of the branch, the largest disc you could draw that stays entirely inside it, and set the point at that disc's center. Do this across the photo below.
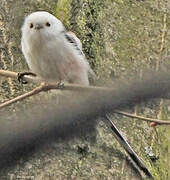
(54, 85)
(46, 87)
(158, 122)
(42, 87)
(45, 122)
(23, 96)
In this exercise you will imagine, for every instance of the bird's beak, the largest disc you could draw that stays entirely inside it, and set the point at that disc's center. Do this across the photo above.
(38, 26)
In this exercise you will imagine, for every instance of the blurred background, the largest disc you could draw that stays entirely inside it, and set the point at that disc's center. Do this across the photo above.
(121, 38)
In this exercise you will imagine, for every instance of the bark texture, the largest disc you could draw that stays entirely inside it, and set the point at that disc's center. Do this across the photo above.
(120, 38)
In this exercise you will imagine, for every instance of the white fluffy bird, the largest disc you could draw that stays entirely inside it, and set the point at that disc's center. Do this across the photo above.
(56, 55)
(51, 52)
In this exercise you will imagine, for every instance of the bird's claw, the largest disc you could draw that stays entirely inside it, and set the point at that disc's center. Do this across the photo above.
(60, 85)
(20, 76)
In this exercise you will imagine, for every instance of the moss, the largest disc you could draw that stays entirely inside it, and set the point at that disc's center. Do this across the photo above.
(62, 11)
(119, 37)
(122, 38)
(86, 22)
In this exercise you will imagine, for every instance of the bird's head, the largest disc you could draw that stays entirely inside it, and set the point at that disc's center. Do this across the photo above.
(41, 24)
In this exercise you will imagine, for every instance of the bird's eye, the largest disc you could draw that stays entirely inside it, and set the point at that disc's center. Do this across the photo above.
(31, 25)
(48, 24)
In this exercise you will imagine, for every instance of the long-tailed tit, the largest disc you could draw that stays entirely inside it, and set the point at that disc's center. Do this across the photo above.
(51, 52)
(56, 55)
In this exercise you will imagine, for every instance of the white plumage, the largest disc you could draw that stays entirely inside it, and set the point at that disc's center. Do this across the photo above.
(51, 52)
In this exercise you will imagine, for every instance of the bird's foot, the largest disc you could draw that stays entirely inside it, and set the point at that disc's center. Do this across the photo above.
(60, 84)
(21, 76)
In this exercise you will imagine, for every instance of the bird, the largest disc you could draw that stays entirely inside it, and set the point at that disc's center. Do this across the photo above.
(52, 52)
(55, 54)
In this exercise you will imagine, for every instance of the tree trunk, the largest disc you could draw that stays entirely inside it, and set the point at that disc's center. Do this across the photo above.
(120, 38)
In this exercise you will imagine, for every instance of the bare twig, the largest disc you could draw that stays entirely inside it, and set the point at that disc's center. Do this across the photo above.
(49, 86)
(42, 87)
(163, 32)
(54, 85)
(45, 122)
(159, 122)
(22, 97)
(14, 75)
(128, 148)
(162, 42)
(46, 87)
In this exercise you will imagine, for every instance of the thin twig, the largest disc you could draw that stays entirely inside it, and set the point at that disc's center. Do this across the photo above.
(49, 86)
(54, 85)
(120, 138)
(67, 86)
(22, 97)
(42, 87)
(158, 122)
(46, 87)
(162, 42)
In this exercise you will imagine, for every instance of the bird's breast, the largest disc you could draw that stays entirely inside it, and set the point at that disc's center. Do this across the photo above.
(55, 61)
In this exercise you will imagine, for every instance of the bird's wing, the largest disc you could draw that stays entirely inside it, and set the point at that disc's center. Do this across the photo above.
(72, 38)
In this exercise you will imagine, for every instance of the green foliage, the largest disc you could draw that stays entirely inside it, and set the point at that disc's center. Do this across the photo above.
(86, 22)
(62, 11)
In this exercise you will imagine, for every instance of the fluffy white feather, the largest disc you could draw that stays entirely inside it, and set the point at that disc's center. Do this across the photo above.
(51, 52)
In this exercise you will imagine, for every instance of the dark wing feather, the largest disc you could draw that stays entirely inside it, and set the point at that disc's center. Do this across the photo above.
(72, 38)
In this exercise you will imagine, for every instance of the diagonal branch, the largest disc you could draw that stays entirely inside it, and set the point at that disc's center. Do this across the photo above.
(48, 86)
(42, 87)
(158, 122)
(22, 97)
